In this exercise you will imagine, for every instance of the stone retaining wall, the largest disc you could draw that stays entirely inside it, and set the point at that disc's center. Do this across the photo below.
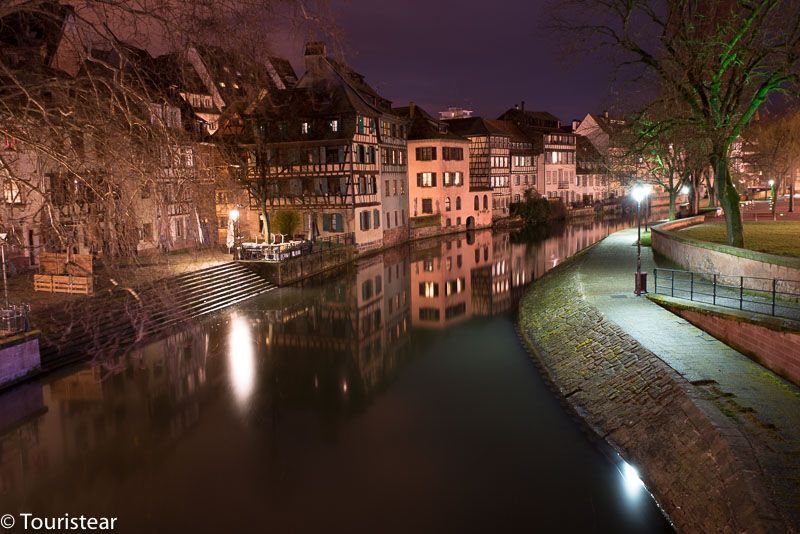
(768, 341)
(705, 257)
(19, 357)
(648, 412)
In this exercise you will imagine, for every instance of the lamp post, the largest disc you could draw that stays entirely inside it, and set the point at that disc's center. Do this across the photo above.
(772, 195)
(233, 217)
(639, 193)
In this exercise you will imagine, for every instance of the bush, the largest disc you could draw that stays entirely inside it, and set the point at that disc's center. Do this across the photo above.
(536, 210)
(286, 222)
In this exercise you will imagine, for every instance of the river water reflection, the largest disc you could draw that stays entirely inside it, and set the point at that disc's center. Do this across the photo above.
(394, 398)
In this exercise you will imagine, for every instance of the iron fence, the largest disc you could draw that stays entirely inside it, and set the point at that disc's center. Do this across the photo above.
(14, 319)
(770, 296)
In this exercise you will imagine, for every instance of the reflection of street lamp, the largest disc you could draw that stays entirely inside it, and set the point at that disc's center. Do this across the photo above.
(639, 193)
(3, 236)
(233, 227)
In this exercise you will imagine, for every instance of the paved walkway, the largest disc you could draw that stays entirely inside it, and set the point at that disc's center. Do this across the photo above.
(765, 407)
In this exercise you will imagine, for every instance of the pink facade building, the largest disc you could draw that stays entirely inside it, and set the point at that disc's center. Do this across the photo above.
(439, 197)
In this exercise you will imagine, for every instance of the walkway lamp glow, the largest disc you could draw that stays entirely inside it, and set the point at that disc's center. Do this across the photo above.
(639, 193)
(685, 190)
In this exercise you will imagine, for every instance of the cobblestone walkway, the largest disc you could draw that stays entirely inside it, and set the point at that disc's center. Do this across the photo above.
(715, 434)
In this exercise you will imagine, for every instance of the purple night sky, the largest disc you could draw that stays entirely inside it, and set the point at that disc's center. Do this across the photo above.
(481, 55)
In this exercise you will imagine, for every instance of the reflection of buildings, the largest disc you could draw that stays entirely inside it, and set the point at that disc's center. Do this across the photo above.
(298, 363)
(120, 410)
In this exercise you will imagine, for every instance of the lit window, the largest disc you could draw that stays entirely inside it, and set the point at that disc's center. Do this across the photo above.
(304, 128)
(334, 125)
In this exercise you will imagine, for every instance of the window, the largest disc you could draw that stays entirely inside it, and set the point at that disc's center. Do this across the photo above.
(147, 191)
(485, 202)
(332, 222)
(428, 289)
(426, 179)
(458, 178)
(147, 230)
(454, 287)
(388, 221)
(304, 128)
(477, 203)
(365, 220)
(428, 314)
(426, 153)
(376, 218)
(455, 311)
(458, 204)
(450, 153)
(360, 124)
(446, 179)
(447, 204)
(448, 223)
(179, 228)
(366, 290)
(334, 125)
(427, 205)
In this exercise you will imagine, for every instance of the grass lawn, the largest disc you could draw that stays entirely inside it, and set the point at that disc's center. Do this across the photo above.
(781, 237)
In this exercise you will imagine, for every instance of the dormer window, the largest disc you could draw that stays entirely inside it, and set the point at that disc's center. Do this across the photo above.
(304, 128)
(222, 84)
(334, 125)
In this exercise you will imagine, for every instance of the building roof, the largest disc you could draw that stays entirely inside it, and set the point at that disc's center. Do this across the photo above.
(476, 126)
(424, 126)
(538, 120)
(587, 157)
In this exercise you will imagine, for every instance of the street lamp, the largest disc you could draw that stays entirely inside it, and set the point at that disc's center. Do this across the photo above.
(233, 226)
(773, 192)
(685, 190)
(639, 193)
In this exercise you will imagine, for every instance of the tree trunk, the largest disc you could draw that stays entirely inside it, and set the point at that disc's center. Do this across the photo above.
(728, 196)
(265, 215)
(672, 196)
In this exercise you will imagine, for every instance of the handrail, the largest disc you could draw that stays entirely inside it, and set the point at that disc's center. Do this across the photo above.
(768, 296)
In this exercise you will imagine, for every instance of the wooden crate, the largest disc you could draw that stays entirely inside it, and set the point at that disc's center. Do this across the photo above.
(49, 283)
(63, 263)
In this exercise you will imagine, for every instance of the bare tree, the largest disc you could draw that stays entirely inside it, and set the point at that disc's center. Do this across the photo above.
(722, 58)
(773, 147)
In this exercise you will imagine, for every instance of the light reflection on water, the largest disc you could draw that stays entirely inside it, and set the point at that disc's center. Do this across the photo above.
(393, 398)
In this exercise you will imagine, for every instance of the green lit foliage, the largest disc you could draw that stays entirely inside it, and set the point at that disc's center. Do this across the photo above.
(718, 60)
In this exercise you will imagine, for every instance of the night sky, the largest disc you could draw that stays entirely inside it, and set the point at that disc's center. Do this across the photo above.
(480, 54)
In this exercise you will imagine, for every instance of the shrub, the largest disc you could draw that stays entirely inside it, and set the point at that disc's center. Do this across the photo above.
(286, 222)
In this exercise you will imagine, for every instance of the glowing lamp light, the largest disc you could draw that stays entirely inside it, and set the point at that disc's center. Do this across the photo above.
(631, 480)
(234, 214)
(771, 183)
(241, 360)
(639, 192)
(685, 189)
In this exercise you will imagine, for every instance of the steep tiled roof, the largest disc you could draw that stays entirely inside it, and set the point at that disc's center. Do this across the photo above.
(424, 126)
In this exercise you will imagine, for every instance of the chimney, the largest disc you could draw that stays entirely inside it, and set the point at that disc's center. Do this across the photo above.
(314, 53)
(522, 106)
(412, 108)
(605, 114)
(575, 124)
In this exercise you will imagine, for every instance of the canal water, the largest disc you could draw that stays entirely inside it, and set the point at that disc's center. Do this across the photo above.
(394, 397)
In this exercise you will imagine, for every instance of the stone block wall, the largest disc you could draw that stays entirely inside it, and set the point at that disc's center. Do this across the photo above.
(19, 356)
(777, 349)
(704, 257)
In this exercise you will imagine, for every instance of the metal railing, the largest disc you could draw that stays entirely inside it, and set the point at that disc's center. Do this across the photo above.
(769, 296)
(14, 319)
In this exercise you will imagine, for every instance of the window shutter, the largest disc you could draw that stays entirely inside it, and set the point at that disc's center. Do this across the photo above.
(433, 153)
(433, 174)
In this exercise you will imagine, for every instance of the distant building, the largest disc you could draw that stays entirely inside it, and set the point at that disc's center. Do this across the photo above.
(318, 146)
(558, 163)
(489, 160)
(439, 168)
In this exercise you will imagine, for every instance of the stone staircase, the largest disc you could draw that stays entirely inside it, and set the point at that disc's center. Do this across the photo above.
(110, 323)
